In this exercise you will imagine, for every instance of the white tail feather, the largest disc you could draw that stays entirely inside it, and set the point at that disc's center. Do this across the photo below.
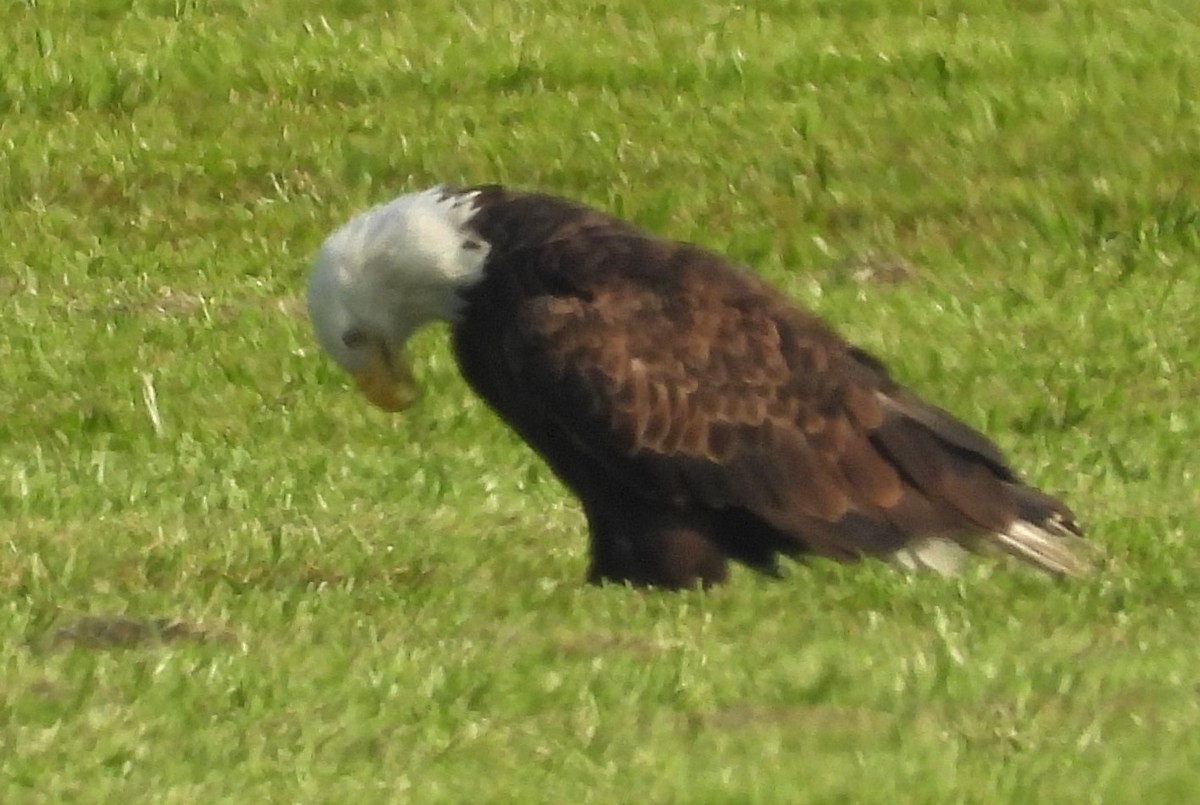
(942, 556)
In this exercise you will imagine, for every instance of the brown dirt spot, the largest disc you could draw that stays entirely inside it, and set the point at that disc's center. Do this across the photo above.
(119, 632)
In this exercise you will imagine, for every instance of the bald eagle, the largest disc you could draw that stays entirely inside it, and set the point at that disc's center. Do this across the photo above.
(698, 415)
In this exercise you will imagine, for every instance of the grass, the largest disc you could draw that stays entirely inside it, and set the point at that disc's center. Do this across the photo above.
(227, 580)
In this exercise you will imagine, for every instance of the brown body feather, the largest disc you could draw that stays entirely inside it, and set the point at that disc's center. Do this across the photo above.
(699, 415)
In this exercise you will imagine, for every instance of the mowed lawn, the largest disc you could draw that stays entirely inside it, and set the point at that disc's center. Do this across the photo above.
(226, 579)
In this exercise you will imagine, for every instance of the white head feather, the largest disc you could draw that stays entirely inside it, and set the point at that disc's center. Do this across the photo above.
(390, 270)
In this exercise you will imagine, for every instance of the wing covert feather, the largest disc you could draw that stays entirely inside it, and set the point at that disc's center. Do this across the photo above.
(720, 399)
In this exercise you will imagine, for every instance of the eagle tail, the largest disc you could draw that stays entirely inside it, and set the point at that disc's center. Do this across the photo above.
(1051, 545)
(1043, 533)
(1054, 544)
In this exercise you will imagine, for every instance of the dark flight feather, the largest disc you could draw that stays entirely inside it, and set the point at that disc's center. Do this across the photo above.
(698, 414)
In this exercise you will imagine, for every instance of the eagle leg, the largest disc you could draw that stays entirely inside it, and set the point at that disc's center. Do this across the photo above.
(653, 549)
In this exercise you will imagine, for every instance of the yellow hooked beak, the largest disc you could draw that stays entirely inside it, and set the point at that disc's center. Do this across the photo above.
(388, 380)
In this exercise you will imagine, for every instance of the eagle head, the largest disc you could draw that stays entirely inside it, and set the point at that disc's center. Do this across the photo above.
(385, 273)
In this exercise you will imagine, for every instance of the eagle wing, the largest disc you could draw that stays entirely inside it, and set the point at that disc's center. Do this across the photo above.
(709, 388)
